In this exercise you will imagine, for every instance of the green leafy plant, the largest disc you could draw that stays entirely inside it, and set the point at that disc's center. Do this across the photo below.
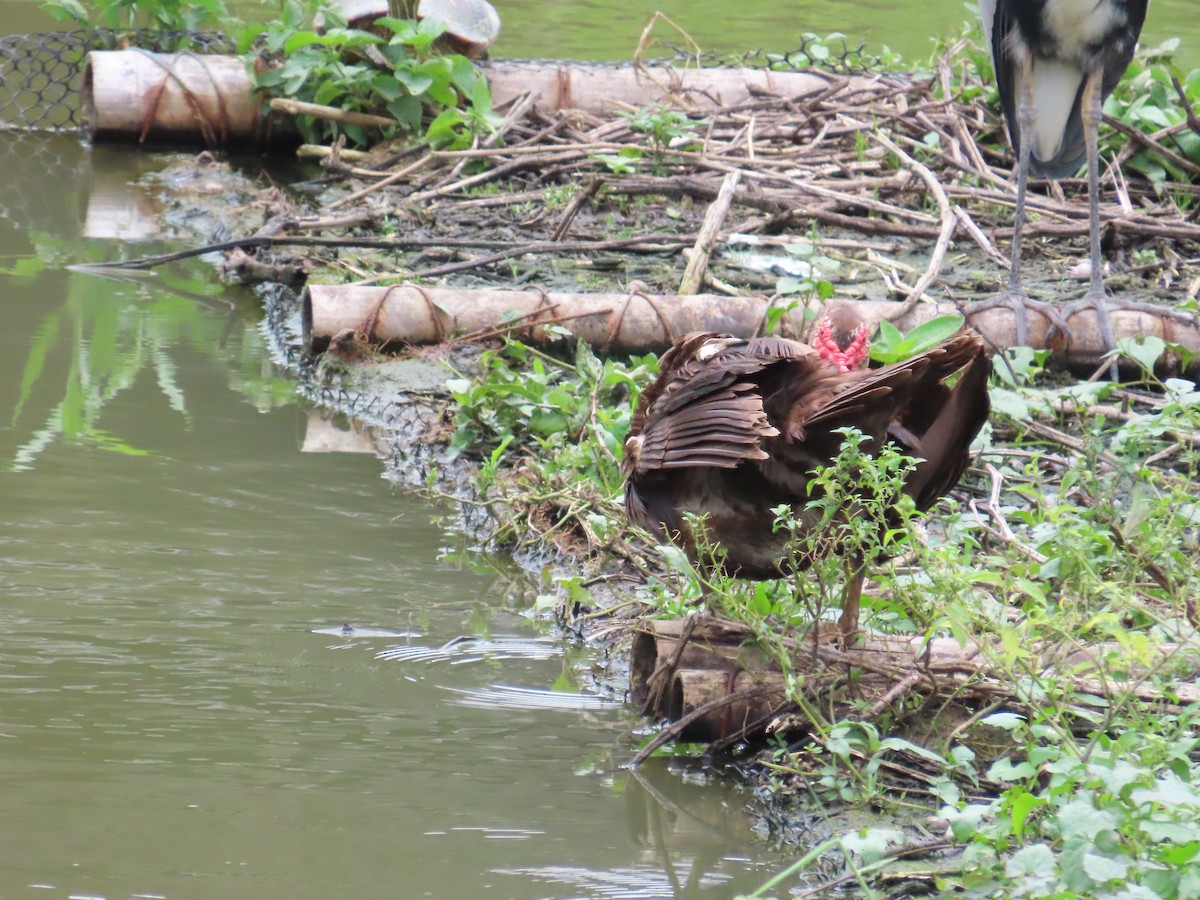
(891, 346)
(396, 74)
(1154, 95)
(168, 15)
(666, 130)
(814, 270)
(563, 424)
(858, 510)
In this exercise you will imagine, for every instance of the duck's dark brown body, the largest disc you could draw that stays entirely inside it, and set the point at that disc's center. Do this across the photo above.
(733, 428)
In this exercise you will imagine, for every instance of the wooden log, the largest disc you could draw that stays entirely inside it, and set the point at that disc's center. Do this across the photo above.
(733, 689)
(171, 98)
(411, 315)
(713, 645)
(762, 694)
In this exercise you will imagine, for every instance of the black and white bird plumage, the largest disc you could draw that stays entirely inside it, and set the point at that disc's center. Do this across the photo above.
(1063, 42)
(1056, 61)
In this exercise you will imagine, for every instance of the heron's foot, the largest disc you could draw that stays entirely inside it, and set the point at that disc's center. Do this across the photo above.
(1097, 300)
(1104, 305)
(1020, 305)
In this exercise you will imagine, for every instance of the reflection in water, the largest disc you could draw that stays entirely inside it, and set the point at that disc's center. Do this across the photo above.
(192, 699)
(507, 696)
(693, 842)
(465, 649)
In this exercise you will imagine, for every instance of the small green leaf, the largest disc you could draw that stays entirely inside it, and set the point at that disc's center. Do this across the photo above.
(936, 331)
(1004, 769)
(895, 743)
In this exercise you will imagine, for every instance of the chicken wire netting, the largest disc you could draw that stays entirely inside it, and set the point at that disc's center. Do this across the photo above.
(41, 74)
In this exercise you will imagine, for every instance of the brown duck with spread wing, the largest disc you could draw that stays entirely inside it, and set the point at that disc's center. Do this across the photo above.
(733, 428)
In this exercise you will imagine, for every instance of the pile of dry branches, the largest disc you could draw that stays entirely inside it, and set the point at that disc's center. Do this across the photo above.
(884, 158)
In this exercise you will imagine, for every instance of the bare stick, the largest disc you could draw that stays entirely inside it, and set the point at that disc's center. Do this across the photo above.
(718, 211)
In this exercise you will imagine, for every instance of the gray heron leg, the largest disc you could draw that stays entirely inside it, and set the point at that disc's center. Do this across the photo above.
(1095, 298)
(1014, 296)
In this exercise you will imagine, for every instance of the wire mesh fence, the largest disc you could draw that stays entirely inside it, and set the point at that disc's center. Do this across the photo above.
(41, 74)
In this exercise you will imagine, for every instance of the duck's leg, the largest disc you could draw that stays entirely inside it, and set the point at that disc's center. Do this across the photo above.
(856, 571)
(1014, 296)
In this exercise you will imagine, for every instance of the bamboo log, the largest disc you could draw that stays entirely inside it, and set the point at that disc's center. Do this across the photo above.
(691, 689)
(135, 95)
(411, 315)
(170, 98)
(599, 89)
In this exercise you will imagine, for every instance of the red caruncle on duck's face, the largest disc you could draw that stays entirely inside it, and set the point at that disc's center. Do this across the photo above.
(845, 349)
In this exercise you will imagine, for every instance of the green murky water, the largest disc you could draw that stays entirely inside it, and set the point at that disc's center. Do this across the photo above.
(610, 29)
(181, 714)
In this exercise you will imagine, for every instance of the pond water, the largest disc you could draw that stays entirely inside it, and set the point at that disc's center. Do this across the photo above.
(610, 29)
(181, 711)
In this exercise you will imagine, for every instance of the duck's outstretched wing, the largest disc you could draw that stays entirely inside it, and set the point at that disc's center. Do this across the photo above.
(908, 402)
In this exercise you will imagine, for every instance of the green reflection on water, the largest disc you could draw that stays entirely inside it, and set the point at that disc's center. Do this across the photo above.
(97, 344)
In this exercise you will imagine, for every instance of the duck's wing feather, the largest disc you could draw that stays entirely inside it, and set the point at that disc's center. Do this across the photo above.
(706, 408)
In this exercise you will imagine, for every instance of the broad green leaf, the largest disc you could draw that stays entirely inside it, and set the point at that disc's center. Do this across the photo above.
(1022, 805)
(1145, 351)
(1006, 720)
(1036, 860)
(1081, 818)
(934, 332)
(1104, 868)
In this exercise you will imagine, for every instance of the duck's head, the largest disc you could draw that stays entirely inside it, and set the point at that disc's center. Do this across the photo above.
(840, 337)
